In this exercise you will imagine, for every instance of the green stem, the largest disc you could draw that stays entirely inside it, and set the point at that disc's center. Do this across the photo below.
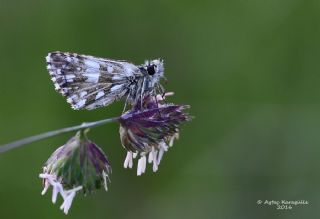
(31, 139)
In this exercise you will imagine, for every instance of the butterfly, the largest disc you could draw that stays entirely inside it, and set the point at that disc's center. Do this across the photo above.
(90, 82)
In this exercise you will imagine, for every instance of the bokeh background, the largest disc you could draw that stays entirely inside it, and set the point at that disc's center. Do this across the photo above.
(248, 68)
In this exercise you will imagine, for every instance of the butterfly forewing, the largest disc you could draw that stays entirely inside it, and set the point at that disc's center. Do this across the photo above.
(89, 82)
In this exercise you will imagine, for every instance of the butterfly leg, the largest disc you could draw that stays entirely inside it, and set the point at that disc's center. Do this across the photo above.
(125, 104)
(156, 99)
(141, 93)
(161, 91)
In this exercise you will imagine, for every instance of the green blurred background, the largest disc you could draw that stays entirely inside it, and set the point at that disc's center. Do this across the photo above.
(248, 68)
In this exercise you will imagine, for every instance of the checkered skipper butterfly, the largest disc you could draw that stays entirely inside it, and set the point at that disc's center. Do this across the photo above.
(90, 82)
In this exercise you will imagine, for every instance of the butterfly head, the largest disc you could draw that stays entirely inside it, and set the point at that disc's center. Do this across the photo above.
(154, 68)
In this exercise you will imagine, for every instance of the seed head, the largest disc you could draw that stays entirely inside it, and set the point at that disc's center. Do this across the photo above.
(149, 129)
(77, 165)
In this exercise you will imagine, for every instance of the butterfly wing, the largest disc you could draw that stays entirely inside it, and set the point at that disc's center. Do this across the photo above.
(89, 82)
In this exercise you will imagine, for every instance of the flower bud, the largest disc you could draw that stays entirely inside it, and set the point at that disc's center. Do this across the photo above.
(78, 165)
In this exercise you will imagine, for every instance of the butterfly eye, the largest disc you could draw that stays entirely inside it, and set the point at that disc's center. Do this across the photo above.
(151, 70)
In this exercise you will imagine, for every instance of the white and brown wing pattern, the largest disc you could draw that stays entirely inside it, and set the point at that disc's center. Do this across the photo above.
(89, 82)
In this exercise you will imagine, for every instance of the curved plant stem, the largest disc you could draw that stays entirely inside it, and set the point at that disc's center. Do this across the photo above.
(49, 134)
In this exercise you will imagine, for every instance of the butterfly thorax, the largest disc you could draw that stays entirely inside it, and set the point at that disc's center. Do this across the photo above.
(148, 82)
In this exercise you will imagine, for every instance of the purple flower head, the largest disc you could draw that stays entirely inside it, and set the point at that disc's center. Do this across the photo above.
(148, 128)
(78, 165)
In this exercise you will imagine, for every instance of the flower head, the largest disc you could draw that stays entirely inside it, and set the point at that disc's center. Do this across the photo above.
(78, 165)
(148, 129)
